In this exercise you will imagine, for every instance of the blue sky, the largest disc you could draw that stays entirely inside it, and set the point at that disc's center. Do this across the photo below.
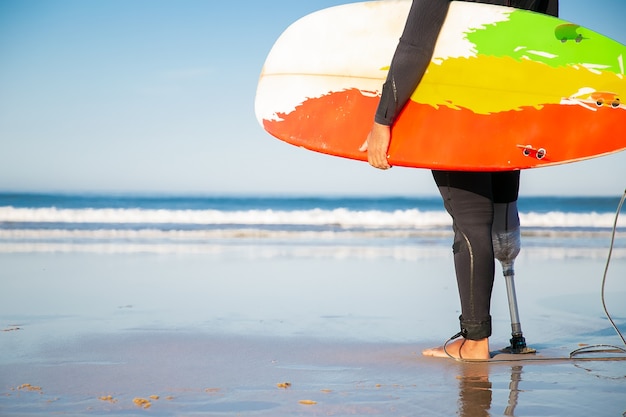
(157, 96)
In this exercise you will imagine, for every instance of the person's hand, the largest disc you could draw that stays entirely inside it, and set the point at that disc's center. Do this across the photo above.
(376, 146)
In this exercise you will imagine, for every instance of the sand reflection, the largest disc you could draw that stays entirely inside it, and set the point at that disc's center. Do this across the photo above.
(475, 390)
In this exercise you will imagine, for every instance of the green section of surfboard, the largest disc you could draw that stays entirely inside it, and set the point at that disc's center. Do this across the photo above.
(525, 59)
(570, 42)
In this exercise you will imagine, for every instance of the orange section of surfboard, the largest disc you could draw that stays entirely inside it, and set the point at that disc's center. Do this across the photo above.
(507, 89)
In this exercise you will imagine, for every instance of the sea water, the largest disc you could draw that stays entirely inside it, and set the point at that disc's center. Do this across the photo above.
(178, 296)
(363, 226)
(328, 267)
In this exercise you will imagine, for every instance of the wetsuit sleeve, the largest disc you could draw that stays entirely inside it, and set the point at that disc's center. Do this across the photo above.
(553, 8)
(412, 55)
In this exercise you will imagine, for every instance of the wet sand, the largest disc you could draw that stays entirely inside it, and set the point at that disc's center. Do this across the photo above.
(291, 333)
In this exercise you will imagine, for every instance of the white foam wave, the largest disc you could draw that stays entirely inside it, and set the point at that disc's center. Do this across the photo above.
(400, 252)
(213, 234)
(316, 217)
(204, 235)
(561, 219)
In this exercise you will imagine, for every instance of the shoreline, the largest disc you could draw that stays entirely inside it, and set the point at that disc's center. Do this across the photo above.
(186, 373)
(214, 335)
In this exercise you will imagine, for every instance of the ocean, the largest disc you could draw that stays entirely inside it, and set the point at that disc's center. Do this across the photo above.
(32, 222)
(206, 303)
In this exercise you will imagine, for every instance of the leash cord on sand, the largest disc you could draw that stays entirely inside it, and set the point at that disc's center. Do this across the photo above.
(587, 349)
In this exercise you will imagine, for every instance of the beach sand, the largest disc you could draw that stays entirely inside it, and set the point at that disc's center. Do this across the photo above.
(288, 331)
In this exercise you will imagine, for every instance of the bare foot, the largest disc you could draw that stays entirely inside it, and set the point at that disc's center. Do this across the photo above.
(462, 349)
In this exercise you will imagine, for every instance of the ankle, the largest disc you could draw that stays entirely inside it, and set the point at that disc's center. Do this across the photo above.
(475, 349)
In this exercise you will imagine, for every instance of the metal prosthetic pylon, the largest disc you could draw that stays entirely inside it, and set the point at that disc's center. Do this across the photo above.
(506, 238)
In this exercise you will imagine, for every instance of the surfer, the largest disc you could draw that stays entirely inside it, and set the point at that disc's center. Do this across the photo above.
(477, 201)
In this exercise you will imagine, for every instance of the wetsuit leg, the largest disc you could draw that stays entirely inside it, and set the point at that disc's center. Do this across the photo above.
(505, 186)
(506, 225)
(505, 232)
(468, 198)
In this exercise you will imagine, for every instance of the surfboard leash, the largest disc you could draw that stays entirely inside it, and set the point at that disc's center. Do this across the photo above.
(608, 262)
(593, 348)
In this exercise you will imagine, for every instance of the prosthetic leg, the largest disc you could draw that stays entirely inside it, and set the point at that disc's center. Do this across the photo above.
(506, 247)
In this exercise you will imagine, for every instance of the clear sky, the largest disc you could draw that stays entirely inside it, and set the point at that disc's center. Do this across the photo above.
(157, 96)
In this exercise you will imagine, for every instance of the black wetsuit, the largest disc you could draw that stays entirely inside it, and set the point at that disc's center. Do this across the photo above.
(471, 198)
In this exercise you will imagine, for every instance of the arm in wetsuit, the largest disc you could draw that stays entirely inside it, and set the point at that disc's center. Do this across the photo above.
(412, 56)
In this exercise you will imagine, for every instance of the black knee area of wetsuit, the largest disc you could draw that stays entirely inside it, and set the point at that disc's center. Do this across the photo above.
(505, 186)
(499, 187)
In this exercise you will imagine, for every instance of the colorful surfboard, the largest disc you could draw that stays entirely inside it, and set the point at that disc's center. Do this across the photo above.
(506, 89)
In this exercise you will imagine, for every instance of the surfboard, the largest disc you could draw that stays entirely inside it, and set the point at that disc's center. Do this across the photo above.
(506, 89)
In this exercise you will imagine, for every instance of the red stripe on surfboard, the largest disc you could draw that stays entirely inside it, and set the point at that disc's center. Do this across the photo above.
(446, 138)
